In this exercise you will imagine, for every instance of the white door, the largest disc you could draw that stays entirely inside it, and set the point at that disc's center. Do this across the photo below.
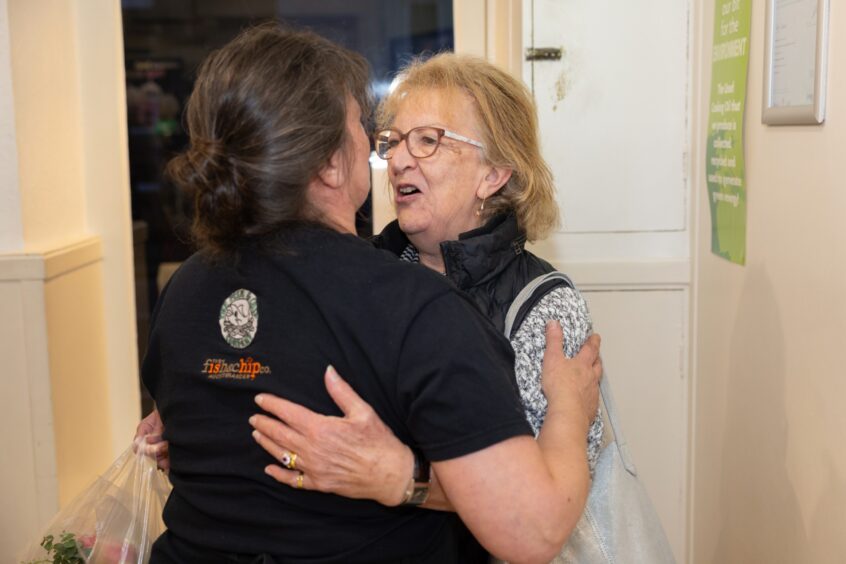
(614, 118)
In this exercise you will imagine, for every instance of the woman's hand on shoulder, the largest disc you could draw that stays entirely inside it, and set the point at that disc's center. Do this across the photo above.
(355, 456)
(570, 383)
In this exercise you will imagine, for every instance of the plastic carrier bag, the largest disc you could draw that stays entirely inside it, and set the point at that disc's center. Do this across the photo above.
(113, 521)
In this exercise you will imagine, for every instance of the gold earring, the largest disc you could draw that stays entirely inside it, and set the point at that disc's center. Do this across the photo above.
(481, 208)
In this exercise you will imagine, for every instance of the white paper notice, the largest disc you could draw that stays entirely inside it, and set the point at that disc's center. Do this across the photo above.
(794, 52)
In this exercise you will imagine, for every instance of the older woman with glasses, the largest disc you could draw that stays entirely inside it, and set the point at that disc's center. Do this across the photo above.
(470, 188)
(281, 287)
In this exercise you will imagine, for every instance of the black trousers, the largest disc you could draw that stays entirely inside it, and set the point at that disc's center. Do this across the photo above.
(458, 548)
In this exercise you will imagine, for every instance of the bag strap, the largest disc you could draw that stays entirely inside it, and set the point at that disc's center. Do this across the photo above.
(526, 293)
(604, 387)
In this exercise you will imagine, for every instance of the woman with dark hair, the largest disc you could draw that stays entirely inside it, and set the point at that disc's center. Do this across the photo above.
(281, 287)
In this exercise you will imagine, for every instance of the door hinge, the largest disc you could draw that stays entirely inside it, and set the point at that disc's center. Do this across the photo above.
(543, 54)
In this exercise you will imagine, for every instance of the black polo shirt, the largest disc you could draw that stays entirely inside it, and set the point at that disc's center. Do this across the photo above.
(437, 373)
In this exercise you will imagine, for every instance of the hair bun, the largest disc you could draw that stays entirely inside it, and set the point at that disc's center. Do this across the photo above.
(203, 168)
(209, 175)
(206, 159)
(209, 147)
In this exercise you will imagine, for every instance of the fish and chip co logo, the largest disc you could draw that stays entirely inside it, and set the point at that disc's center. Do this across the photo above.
(239, 318)
(238, 321)
(243, 369)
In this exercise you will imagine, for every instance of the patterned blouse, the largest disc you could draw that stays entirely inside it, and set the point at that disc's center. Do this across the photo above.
(570, 309)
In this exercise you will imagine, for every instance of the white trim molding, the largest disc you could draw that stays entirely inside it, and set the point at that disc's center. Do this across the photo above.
(31, 484)
(623, 275)
(52, 263)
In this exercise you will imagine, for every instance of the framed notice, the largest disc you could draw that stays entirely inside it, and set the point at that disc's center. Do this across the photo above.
(795, 63)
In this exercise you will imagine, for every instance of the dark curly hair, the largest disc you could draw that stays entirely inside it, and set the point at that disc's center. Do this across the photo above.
(267, 112)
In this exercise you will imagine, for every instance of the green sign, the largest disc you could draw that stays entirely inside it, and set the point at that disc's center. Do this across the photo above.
(724, 165)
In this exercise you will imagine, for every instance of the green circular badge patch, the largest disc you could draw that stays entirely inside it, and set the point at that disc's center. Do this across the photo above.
(239, 318)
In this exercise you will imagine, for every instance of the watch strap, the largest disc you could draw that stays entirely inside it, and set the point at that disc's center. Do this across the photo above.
(417, 491)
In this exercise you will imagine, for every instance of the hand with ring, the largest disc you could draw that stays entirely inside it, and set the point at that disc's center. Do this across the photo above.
(355, 456)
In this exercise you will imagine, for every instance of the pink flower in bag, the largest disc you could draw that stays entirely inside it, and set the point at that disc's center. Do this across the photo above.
(87, 541)
(114, 553)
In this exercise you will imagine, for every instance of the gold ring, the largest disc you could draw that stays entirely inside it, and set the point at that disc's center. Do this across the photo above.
(300, 481)
(289, 460)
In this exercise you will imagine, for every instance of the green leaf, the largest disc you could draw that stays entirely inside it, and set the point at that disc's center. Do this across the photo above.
(65, 551)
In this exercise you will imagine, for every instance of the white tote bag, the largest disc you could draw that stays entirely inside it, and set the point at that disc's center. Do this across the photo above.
(619, 524)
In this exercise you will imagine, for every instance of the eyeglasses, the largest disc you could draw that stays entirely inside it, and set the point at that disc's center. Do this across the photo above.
(421, 142)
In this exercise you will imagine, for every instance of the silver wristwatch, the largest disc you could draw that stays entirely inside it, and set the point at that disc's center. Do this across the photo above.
(417, 491)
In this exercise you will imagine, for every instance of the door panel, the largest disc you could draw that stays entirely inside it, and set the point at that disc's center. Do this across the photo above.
(644, 352)
(613, 110)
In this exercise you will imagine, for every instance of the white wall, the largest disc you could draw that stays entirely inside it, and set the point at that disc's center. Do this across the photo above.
(105, 168)
(11, 228)
(28, 484)
(71, 393)
(769, 464)
(68, 82)
(45, 84)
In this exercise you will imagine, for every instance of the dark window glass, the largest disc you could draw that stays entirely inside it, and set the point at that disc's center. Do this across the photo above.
(165, 41)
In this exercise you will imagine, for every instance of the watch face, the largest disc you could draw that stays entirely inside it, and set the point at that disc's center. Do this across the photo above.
(421, 493)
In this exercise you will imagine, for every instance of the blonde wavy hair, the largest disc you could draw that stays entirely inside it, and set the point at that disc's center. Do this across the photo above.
(509, 128)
